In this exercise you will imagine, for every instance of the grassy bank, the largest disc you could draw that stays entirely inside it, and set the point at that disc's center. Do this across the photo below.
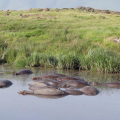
(69, 39)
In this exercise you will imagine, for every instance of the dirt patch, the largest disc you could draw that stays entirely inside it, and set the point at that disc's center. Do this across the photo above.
(6, 14)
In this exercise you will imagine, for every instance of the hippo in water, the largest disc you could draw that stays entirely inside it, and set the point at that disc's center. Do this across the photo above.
(23, 71)
(73, 83)
(53, 76)
(73, 91)
(110, 84)
(49, 81)
(40, 84)
(60, 79)
(89, 90)
(5, 83)
(44, 91)
(39, 87)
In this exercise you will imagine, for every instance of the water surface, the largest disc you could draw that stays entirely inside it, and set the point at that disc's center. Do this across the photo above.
(21, 107)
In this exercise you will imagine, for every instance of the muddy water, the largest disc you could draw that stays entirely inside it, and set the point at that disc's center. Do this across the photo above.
(104, 106)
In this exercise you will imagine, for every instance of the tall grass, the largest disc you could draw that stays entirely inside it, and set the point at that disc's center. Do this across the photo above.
(68, 39)
(103, 60)
(3, 47)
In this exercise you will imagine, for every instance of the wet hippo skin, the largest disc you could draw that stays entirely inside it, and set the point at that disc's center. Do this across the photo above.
(90, 90)
(23, 71)
(5, 83)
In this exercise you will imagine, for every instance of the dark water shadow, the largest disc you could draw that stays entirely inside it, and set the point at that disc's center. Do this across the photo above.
(5, 87)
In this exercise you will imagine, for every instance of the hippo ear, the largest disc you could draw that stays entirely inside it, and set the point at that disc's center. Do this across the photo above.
(15, 73)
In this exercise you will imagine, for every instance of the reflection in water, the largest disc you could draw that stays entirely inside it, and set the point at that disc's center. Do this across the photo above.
(51, 107)
(50, 97)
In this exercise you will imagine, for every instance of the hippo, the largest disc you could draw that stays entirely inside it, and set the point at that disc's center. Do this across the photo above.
(54, 77)
(44, 91)
(37, 78)
(73, 91)
(46, 77)
(90, 90)
(39, 87)
(68, 78)
(49, 81)
(5, 83)
(40, 84)
(110, 84)
(73, 83)
(23, 71)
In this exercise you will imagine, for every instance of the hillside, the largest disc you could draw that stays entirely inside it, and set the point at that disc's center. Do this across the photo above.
(69, 39)
(27, 4)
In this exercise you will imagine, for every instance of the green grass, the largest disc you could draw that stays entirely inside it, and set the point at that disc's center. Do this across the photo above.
(68, 39)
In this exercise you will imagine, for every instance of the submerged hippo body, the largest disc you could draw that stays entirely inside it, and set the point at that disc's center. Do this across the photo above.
(39, 87)
(36, 78)
(73, 83)
(23, 71)
(40, 84)
(53, 76)
(44, 91)
(49, 81)
(60, 79)
(112, 84)
(5, 83)
(74, 92)
(89, 90)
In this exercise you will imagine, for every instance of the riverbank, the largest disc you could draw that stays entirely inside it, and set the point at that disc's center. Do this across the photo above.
(69, 39)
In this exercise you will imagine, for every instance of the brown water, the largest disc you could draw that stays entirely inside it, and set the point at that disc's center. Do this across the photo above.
(104, 106)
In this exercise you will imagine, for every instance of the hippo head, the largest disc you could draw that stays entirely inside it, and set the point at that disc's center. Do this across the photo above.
(95, 83)
(37, 78)
(22, 92)
(15, 74)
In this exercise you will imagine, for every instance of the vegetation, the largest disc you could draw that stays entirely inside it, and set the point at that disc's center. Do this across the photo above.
(69, 39)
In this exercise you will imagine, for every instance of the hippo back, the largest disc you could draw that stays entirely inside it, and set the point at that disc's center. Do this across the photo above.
(48, 91)
(24, 71)
(89, 90)
(5, 83)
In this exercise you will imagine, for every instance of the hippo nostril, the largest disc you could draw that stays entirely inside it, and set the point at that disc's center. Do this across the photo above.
(19, 92)
(23, 93)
